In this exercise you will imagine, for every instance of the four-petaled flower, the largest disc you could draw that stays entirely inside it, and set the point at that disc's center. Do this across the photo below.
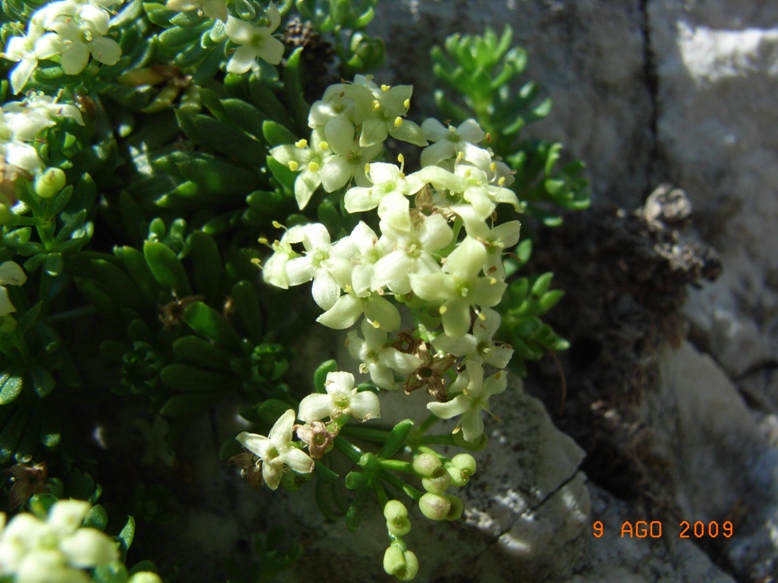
(342, 398)
(277, 451)
(473, 397)
(255, 42)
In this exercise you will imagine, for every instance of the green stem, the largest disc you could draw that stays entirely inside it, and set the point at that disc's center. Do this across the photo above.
(367, 433)
(44, 293)
(380, 493)
(351, 451)
(397, 466)
(409, 490)
(428, 422)
(438, 439)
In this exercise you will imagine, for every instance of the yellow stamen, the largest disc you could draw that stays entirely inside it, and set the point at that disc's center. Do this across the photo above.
(407, 104)
(481, 316)
(301, 143)
(501, 181)
(385, 88)
(324, 146)
(376, 105)
(442, 310)
(293, 166)
(398, 121)
(493, 167)
(277, 225)
(313, 167)
(262, 240)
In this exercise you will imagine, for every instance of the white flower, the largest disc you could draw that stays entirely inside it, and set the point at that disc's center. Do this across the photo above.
(350, 158)
(458, 287)
(276, 451)
(350, 306)
(274, 270)
(341, 399)
(456, 143)
(10, 274)
(326, 264)
(479, 346)
(473, 397)
(23, 49)
(495, 239)
(369, 249)
(413, 252)
(379, 358)
(386, 179)
(308, 160)
(255, 42)
(380, 112)
(54, 550)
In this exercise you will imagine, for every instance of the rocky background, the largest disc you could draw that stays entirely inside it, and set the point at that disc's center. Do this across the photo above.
(671, 412)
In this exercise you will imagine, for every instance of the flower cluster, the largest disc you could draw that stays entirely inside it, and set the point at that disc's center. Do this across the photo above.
(277, 453)
(350, 124)
(437, 249)
(70, 30)
(56, 549)
(21, 124)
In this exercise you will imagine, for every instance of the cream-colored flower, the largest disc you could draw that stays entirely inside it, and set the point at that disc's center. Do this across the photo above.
(276, 451)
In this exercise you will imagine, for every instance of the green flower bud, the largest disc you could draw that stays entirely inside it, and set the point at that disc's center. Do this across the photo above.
(398, 526)
(461, 467)
(457, 507)
(145, 577)
(478, 445)
(357, 481)
(427, 465)
(50, 182)
(434, 506)
(438, 483)
(403, 565)
(5, 214)
(395, 509)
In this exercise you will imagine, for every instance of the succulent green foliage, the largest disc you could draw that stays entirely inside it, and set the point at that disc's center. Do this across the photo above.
(527, 300)
(479, 72)
(344, 22)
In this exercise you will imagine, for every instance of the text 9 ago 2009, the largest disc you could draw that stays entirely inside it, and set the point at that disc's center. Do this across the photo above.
(654, 529)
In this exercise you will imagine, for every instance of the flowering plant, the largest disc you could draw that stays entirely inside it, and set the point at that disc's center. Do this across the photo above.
(144, 146)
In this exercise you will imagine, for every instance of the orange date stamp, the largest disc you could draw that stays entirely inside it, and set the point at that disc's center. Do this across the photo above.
(654, 529)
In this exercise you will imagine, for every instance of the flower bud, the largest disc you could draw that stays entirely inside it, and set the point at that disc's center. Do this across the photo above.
(145, 577)
(461, 467)
(398, 526)
(403, 565)
(438, 483)
(426, 465)
(50, 182)
(395, 509)
(434, 506)
(457, 507)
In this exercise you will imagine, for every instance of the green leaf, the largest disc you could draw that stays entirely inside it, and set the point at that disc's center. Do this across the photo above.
(40, 504)
(167, 268)
(11, 385)
(271, 409)
(542, 284)
(276, 134)
(267, 102)
(42, 380)
(223, 138)
(206, 264)
(320, 376)
(182, 377)
(114, 572)
(189, 405)
(293, 90)
(356, 511)
(211, 324)
(139, 271)
(244, 116)
(396, 439)
(550, 299)
(97, 517)
(244, 296)
(325, 499)
(199, 351)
